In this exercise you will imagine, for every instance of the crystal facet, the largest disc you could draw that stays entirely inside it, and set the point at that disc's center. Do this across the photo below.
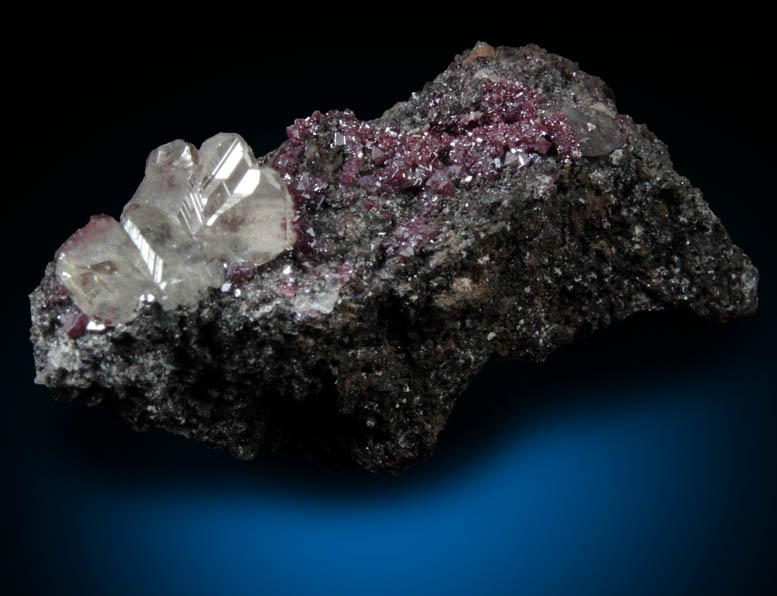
(194, 213)
(102, 270)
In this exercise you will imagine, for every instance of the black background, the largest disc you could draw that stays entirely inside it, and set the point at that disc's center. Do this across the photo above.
(86, 108)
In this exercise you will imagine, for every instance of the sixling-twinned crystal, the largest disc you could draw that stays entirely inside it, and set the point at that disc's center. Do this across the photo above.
(195, 215)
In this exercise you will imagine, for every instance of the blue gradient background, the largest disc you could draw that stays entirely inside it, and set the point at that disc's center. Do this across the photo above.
(639, 461)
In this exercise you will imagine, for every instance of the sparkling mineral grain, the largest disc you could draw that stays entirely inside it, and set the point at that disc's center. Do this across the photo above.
(335, 296)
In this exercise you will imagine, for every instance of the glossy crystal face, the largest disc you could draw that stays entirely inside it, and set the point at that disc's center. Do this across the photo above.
(194, 214)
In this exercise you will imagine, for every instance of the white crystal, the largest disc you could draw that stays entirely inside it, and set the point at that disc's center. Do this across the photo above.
(516, 156)
(193, 212)
(102, 271)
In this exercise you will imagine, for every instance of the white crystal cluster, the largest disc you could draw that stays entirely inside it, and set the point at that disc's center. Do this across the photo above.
(194, 213)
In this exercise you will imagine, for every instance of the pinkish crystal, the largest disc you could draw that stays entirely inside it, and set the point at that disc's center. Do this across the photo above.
(74, 322)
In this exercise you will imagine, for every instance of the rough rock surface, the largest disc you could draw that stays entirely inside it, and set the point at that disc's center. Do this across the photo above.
(415, 264)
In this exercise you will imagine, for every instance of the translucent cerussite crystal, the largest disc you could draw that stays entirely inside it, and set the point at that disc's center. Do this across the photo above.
(193, 214)
(102, 270)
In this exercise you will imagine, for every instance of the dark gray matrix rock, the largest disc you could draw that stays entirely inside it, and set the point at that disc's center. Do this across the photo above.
(354, 346)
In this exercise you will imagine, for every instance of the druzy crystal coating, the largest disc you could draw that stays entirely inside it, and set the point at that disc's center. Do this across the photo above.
(195, 215)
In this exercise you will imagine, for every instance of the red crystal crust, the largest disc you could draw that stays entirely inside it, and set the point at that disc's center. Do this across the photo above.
(506, 120)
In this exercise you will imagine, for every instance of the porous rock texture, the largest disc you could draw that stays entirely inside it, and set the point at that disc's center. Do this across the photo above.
(354, 346)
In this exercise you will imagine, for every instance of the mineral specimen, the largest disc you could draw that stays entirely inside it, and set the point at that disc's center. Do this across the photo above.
(335, 296)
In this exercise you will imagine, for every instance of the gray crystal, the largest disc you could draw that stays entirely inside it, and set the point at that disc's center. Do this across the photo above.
(596, 128)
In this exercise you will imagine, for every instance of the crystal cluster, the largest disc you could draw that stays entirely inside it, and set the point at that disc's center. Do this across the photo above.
(196, 216)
